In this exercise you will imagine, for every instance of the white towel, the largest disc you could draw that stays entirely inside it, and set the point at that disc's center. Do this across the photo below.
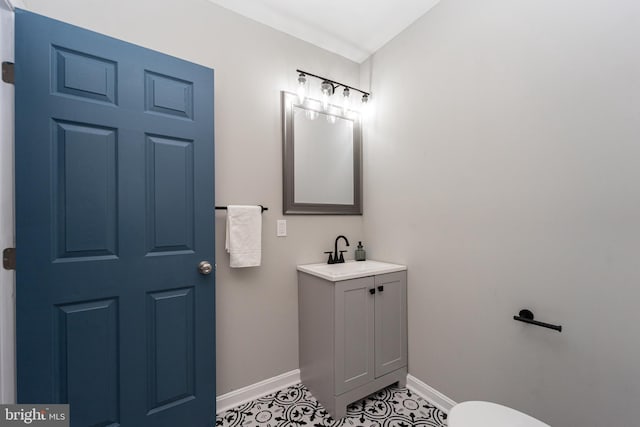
(244, 235)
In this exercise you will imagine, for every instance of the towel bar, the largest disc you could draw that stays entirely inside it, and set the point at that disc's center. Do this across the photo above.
(225, 208)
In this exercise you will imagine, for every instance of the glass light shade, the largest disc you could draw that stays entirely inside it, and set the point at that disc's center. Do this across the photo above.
(327, 91)
(365, 102)
(346, 101)
(302, 88)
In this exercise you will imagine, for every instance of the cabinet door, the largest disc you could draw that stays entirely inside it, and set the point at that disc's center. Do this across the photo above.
(390, 322)
(354, 345)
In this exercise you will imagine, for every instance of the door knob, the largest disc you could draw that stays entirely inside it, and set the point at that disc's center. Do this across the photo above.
(205, 267)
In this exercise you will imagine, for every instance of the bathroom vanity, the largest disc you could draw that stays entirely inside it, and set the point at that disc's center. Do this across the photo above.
(353, 330)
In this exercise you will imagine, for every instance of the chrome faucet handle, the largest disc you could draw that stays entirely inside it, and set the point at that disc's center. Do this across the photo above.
(330, 260)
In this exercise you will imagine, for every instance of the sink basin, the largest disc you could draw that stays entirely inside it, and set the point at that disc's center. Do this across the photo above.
(350, 269)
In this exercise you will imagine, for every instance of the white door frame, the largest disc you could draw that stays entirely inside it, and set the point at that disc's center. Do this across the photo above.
(7, 209)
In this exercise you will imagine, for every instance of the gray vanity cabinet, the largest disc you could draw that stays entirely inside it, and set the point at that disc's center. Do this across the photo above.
(353, 336)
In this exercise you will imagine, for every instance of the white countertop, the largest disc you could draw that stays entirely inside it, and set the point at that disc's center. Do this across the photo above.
(350, 269)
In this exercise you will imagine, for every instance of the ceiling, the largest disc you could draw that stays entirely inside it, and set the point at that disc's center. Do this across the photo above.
(352, 28)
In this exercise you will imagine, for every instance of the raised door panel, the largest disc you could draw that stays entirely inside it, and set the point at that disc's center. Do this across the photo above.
(354, 345)
(168, 95)
(85, 170)
(82, 75)
(170, 195)
(87, 367)
(170, 349)
(390, 322)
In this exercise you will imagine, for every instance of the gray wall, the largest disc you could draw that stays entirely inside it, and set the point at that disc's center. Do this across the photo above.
(257, 318)
(502, 165)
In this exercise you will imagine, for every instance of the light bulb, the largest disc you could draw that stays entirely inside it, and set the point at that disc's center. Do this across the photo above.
(325, 101)
(345, 101)
(327, 91)
(302, 87)
(365, 102)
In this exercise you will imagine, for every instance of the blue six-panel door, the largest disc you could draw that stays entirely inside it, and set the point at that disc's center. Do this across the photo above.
(114, 211)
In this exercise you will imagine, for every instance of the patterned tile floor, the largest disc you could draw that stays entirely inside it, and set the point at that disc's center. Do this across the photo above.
(295, 407)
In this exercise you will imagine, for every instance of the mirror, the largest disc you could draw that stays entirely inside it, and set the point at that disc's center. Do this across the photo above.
(322, 159)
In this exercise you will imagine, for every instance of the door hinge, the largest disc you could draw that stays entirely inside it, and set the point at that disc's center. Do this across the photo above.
(8, 72)
(9, 258)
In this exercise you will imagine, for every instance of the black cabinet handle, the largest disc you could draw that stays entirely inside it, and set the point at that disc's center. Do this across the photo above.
(372, 291)
(380, 288)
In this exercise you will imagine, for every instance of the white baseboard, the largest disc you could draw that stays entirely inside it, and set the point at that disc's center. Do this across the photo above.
(254, 391)
(270, 385)
(429, 393)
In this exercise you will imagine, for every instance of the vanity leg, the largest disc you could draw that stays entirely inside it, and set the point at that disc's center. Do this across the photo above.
(341, 412)
(402, 382)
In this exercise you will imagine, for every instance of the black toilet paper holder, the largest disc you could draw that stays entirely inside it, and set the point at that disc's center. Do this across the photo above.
(526, 316)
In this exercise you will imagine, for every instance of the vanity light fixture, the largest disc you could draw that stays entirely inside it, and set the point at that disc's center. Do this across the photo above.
(328, 88)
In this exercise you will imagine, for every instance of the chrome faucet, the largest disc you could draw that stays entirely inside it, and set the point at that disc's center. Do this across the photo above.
(339, 259)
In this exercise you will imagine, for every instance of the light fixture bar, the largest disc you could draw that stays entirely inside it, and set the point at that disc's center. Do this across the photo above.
(334, 83)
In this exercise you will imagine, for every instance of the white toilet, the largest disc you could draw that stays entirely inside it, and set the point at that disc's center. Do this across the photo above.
(487, 414)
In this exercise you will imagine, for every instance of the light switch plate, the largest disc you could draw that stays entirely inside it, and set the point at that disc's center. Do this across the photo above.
(281, 228)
